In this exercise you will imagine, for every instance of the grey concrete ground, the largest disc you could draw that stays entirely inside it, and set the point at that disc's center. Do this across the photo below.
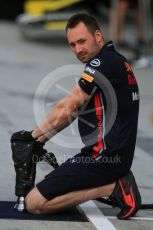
(23, 64)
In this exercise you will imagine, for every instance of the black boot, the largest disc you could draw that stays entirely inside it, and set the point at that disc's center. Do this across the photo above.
(26, 152)
(24, 149)
(127, 196)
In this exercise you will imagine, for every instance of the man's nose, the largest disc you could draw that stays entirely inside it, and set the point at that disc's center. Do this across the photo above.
(78, 49)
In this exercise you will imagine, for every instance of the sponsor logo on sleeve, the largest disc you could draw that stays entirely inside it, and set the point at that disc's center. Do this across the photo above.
(87, 77)
(95, 62)
(89, 70)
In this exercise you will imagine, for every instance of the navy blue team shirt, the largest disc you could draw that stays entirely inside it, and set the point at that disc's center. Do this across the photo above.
(114, 96)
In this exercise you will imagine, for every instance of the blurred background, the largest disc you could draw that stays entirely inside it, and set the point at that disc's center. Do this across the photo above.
(129, 23)
(33, 44)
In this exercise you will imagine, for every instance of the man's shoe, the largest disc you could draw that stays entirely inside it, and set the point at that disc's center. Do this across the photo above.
(126, 196)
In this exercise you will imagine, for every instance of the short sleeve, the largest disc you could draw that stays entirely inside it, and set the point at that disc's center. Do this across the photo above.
(87, 80)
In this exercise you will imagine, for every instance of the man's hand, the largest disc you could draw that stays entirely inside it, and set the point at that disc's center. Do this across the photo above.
(26, 136)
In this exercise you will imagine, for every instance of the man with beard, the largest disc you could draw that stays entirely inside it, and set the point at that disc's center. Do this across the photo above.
(78, 179)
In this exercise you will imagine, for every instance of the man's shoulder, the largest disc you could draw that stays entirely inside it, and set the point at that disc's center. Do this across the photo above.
(95, 64)
(101, 63)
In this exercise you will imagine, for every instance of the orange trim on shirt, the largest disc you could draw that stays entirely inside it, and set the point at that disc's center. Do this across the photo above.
(87, 77)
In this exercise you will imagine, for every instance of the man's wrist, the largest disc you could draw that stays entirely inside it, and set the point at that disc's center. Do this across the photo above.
(39, 136)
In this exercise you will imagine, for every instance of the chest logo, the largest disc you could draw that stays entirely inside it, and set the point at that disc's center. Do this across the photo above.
(95, 62)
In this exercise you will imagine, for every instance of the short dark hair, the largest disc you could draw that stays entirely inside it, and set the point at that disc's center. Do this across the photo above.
(89, 21)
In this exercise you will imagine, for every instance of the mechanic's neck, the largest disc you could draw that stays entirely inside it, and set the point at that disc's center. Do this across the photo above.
(101, 44)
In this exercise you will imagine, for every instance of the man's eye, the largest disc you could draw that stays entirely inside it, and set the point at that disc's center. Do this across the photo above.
(82, 41)
(72, 45)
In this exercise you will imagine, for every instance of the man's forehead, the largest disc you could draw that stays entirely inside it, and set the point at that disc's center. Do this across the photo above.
(78, 32)
(81, 27)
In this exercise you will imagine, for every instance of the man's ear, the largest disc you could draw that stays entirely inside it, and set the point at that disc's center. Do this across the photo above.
(99, 36)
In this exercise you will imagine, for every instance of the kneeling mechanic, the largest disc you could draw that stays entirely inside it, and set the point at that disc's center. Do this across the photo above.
(91, 173)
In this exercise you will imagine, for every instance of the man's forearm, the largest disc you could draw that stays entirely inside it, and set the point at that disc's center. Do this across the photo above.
(56, 121)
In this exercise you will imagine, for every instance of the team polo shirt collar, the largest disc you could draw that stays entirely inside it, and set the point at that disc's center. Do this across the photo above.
(109, 46)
